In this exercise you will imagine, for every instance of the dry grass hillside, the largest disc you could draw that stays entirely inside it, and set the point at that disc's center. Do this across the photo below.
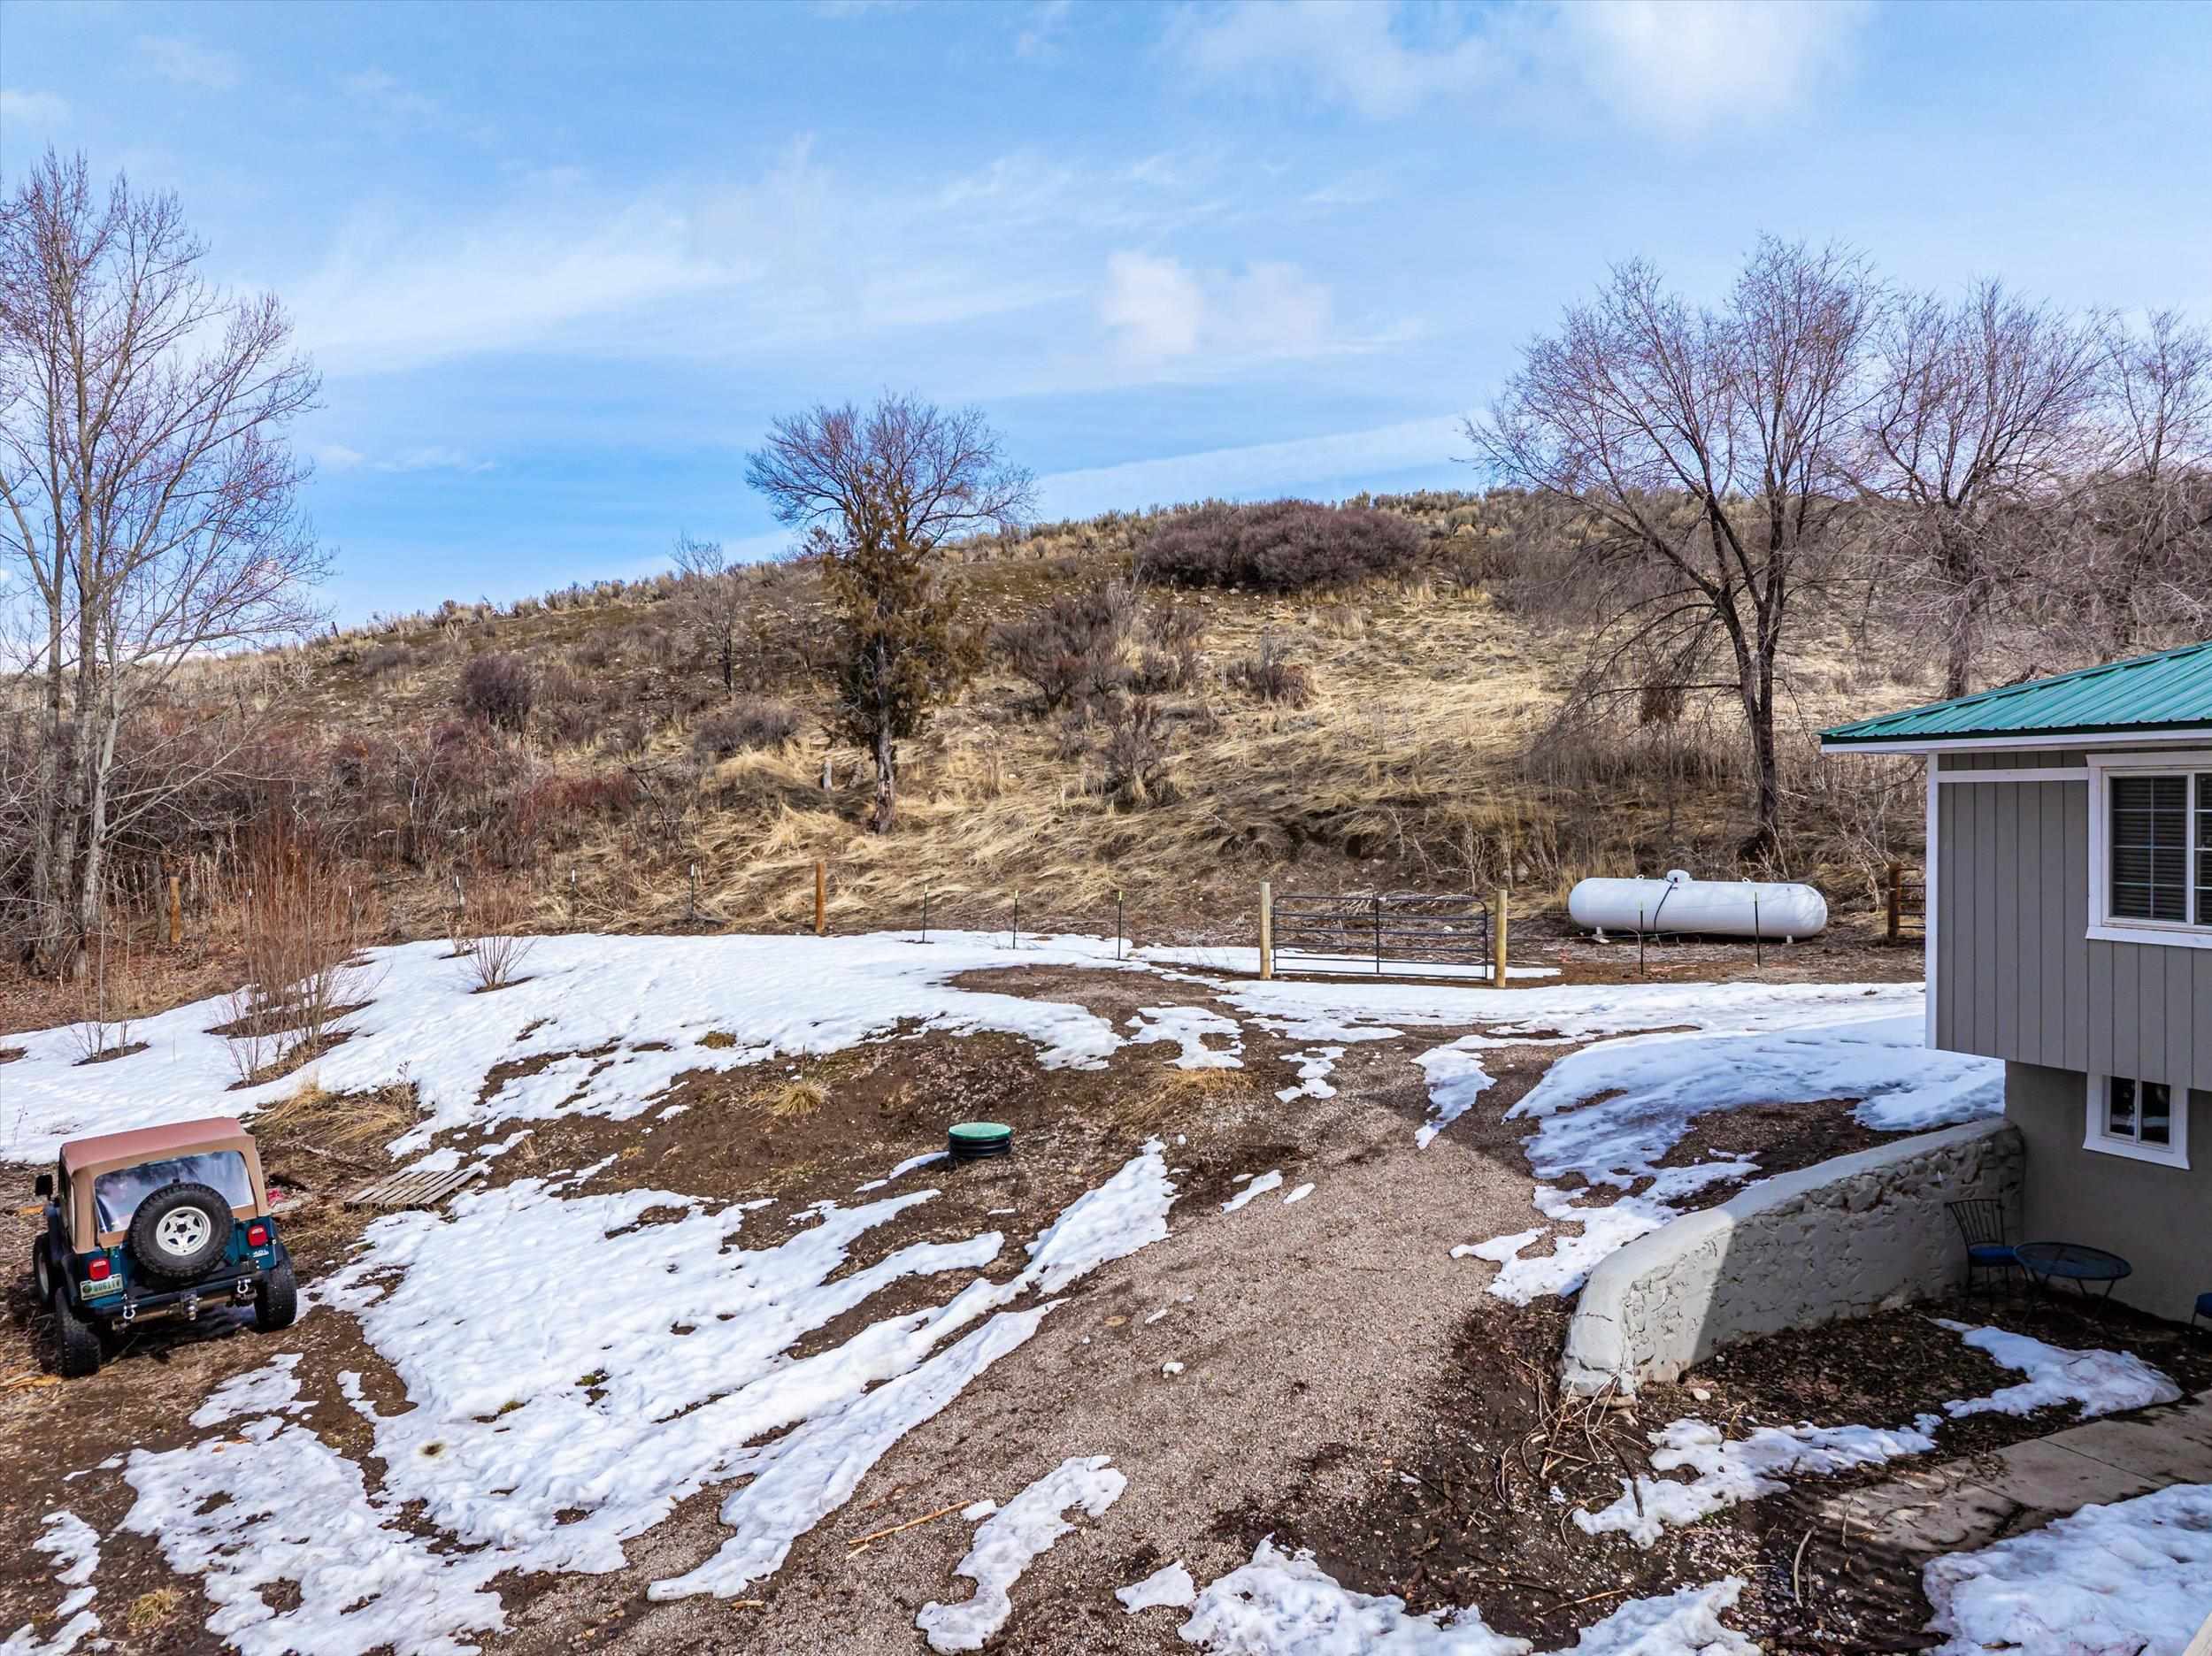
(1411, 746)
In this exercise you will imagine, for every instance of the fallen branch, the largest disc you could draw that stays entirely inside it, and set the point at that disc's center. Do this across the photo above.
(911, 1523)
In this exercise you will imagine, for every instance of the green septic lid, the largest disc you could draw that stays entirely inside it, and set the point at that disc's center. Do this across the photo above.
(980, 1132)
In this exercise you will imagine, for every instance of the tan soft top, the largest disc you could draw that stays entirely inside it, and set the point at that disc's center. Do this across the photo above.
(83, 1159)
(140, 1144)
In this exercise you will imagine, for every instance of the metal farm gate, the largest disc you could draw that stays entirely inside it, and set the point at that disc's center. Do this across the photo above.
(1340, 933)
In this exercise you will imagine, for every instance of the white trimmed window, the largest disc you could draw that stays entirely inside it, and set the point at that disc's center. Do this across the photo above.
(2151, 849)
(2147, 1120)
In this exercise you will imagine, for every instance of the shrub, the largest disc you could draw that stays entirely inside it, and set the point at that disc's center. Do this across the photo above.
(499, 689)
(1072, 649)
(742, 726)
(1281, 546)
(1138, 751)
(1272, 676)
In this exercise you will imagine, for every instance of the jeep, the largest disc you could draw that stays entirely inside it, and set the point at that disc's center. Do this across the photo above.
(158, 1225)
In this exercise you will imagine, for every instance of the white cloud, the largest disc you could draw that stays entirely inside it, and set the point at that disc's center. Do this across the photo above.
(387, 95)
(1257, 470)
(424, 457)
(1351, 51)
(1160, 310)
(1154, 304)
(188, 63)
(1676, 65)
(33, 109)
(1682, 67)
(1040, 34)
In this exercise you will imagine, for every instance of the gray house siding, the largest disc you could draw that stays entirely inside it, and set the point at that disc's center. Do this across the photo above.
(2159, 1218)
(2016, 978)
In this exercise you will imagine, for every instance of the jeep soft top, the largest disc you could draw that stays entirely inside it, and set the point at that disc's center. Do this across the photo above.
(151, 1223)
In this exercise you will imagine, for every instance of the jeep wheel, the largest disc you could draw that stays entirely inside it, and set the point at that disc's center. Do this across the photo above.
(276, 1300)
(76, 1342)
(180, 1230)
(42, 1271)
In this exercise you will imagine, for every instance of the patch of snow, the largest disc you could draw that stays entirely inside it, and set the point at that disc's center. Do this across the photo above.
(2133, 1578)
(1009, 1539)
(1170, 1368)
(1456, 1079)
(267, 1390)
(1170, 1585)
(1188, 1026)
(291, 1509)
(1234, 959)
(1730, 1470)
(979, 1511)
(1161, 1311)
(1300, 1195)
(1316, 1065)
(902, 1170)
(74, 1545)
(2100, 1381)
(648, 999)
(1648, 1088)
(1260, 1186)
(1285, 1605)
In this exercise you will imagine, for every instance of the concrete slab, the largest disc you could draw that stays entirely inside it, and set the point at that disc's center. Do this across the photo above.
(2045, 1476)
(2158, 1447)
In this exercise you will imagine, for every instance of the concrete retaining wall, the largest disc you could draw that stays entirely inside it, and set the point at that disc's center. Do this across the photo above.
(1857, 1234)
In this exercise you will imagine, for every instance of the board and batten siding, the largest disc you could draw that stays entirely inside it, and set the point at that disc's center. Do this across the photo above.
(2015, 977)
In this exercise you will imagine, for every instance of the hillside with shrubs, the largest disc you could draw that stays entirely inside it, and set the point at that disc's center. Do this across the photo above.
(1170, 706)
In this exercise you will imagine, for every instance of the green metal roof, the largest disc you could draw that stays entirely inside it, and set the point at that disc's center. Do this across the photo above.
(2149, 693)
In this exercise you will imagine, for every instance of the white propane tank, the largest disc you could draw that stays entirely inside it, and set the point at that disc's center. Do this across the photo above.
(1714, 907)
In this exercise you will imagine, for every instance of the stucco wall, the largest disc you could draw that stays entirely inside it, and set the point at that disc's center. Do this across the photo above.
(1848, 1237)
(2158, 1219)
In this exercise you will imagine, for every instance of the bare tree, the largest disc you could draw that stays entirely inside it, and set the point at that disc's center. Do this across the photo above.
(150, 516)
(716, 599)
(877, 492)
(1699, 459)
(1982, 426)
(2145, 560)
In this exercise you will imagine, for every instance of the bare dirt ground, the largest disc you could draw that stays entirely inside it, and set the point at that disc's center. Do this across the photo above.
(1345, 1384)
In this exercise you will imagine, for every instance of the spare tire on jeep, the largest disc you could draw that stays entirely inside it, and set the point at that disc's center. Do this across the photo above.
(180, 1230)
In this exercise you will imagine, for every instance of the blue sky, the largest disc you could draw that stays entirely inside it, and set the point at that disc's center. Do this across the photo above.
(561, 264)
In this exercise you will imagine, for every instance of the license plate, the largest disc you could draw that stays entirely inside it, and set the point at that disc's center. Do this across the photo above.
(94, 1289)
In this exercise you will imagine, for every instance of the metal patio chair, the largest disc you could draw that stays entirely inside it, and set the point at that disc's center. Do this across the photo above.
(1981, 1222)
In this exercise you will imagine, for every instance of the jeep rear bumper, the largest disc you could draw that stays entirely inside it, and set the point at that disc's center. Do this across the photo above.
(234, 1285)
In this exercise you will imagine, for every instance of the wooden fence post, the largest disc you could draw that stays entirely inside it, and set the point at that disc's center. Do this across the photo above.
(821, 896)
(1896, 900)
(1499, 921)
(1267, 929)
(176, 911)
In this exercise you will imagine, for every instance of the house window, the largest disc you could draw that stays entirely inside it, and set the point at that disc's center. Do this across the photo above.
(2151, 861)
(2147, 1120)
(2150, 847)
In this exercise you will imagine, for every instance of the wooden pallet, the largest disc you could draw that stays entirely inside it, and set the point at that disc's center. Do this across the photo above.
(410, 1189)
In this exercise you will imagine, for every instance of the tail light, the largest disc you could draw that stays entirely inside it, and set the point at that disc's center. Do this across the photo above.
(98, 1268)
(258, 1235)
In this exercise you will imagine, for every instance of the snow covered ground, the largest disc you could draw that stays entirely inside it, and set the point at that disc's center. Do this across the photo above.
(535, 1442)
(1285, 1605)
(2130, 1579)
(1751, 1468)
(1607, 1113)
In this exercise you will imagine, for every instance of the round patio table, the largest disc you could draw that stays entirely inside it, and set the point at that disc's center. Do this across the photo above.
(2072, 1261)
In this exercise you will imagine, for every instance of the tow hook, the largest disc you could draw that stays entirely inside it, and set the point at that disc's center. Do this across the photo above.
(130, 1312)
(242, 1289)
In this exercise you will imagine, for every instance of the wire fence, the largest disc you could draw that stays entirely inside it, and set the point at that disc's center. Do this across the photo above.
(1340, 931)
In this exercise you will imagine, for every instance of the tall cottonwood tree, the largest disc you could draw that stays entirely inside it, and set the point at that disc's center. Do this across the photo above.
(149, 515)
(1982, 429)
(877, 492)
(1701, 459)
